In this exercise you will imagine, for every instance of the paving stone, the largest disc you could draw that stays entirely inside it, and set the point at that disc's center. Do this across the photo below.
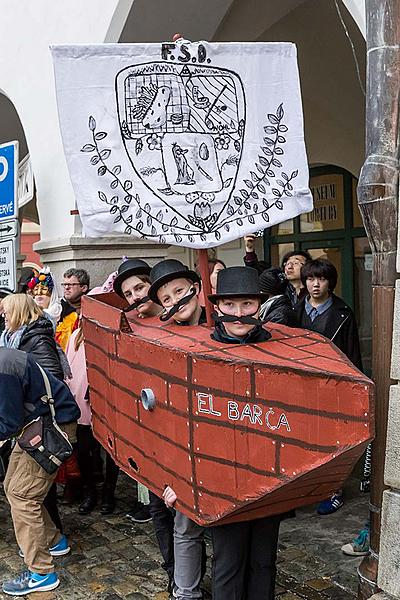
(114, 559)
(306, 592)
(279, 590)
(289, 596)
(338, 593)
(320, 584)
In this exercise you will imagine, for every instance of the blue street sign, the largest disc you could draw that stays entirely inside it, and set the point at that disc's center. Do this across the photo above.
(8, 180)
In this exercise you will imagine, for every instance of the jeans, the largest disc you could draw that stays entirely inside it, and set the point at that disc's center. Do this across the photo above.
(188, 548)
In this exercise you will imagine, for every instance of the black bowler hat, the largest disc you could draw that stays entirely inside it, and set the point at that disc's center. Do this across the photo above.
(167, 270)
(273, 281)
(237, 282)
(130, 267)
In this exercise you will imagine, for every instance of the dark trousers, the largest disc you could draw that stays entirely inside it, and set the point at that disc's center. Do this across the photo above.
(111, 476)
(245, 559)
(50, 502)
(88, 458)
(87, 448)
(163, 521)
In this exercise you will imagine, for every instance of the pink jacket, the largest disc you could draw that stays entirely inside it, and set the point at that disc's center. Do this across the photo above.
(79, 382)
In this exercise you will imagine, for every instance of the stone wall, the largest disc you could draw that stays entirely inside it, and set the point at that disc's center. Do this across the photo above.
(389, 555)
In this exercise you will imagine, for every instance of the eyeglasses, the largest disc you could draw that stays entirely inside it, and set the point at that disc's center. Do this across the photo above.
(68, 285)
(294, 263)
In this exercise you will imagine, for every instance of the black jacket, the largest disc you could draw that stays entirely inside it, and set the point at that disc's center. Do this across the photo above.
(338, 324)
(21, 390)
(38, 340)
(279, 311)
(291, 293)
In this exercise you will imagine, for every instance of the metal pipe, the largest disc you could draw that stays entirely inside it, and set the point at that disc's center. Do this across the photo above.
(378, 193)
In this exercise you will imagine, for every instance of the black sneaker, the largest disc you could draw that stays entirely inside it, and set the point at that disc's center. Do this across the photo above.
(141, 514)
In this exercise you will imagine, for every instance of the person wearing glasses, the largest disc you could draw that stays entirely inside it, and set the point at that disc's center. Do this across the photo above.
(291, 266)
(75, 284)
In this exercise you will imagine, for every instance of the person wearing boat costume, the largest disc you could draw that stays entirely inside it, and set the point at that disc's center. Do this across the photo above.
(177, 289)
(132, 283)
(244, 553)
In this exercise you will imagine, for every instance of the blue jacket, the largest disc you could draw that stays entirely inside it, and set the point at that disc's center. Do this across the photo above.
(21, 390)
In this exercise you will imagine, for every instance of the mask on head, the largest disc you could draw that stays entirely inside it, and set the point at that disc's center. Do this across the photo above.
(41, 290)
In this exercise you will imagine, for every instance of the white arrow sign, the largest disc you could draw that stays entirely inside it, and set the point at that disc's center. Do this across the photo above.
(8, 229)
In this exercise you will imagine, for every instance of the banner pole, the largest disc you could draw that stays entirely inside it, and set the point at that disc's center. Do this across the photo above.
(203, 257)
(206, 284)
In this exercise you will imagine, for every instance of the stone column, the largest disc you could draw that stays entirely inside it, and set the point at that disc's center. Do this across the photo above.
(389, 554)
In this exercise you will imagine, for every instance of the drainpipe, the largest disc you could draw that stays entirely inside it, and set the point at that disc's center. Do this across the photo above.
(378, 194)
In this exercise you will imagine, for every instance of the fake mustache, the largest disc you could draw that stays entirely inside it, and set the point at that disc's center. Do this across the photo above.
(244, 319)
(136, 304)
(182, 302)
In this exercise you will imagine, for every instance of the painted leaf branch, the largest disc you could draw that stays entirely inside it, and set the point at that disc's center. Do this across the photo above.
(99, 158)
(252, 201)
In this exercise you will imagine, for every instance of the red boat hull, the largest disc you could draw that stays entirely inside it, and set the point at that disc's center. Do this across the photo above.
(239, 432)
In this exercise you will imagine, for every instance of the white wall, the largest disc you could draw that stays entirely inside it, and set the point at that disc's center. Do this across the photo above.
(26, 77)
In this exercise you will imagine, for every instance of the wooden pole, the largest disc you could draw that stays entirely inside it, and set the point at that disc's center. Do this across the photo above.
(378, 193)
(203, 256)
(205, 279)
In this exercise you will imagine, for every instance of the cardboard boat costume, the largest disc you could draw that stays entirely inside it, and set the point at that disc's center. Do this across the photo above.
(204, 144)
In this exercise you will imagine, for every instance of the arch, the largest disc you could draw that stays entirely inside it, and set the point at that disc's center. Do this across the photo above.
(11, 128)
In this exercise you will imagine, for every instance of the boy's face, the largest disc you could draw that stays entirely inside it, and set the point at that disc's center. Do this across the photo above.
(239, 307)
(134, 289)
(172, 291)
(318, 288)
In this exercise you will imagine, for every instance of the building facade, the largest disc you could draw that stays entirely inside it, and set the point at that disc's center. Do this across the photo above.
(330, 37)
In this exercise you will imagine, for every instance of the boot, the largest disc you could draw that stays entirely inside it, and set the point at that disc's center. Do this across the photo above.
(107, 501)
(72, 491)
(89, 502)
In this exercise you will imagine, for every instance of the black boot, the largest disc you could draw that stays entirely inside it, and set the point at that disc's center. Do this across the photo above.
(107, 501)
(89, 502)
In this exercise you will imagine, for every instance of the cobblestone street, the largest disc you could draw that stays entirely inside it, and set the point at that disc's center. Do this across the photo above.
(112, 558)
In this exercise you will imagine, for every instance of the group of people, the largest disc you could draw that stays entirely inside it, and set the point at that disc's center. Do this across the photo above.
(40, 328)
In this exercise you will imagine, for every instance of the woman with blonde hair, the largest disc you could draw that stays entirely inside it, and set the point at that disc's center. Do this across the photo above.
(27, 329)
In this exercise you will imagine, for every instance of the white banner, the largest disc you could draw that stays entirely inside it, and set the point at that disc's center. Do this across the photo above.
(192, 144)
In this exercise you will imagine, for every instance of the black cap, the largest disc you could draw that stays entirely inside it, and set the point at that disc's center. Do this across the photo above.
(237, 282)
(273, 281)
(167, 270)
(130, 267)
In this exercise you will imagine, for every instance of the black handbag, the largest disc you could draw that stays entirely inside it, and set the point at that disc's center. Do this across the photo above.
(42, 438)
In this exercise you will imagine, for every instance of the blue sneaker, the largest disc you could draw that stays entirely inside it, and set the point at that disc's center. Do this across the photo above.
(360, 545)
(59, 549)
(330, 505)
(29, 582)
